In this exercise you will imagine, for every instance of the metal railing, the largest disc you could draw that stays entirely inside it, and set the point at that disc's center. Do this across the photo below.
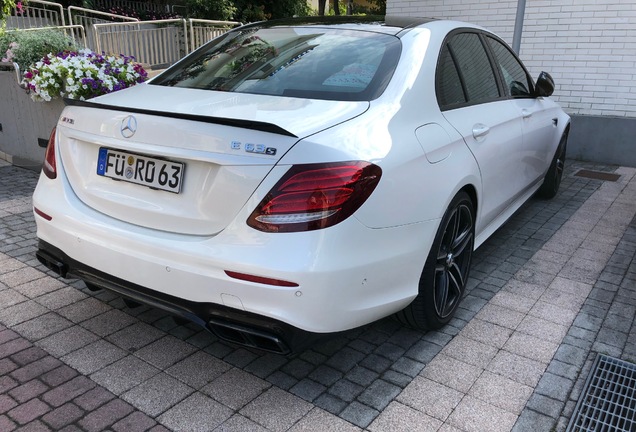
(152, 42)
(36, 13)
(158, 43)
(207, 30)
(132, 5)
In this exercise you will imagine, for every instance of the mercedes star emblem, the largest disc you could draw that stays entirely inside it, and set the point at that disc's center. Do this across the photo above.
(128, 126)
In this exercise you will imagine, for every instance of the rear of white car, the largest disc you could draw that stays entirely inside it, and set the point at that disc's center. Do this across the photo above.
(282, 181)
(237, 211)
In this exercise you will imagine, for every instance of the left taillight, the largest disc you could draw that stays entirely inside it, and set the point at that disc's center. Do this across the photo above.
(315, 196)
(49, 168)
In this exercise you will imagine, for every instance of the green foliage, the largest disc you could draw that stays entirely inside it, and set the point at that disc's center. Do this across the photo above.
(379, 7)
(5, 10)
(31, 46)
(222, 10)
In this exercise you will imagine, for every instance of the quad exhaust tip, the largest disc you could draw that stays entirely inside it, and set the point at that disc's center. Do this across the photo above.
(52, 263)
(249, 337)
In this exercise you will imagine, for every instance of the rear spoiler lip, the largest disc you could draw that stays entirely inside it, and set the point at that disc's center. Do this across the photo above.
(244, 124)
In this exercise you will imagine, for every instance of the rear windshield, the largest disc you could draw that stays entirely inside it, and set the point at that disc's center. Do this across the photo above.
(306, 62)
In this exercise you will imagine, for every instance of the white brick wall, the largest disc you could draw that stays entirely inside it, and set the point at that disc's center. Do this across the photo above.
(588, 46)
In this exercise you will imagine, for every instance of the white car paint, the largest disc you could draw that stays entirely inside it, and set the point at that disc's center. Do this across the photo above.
(357, 271)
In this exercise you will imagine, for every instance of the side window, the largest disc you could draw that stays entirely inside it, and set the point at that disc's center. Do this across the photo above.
(450, 90)
(514, 75)
(474, 67)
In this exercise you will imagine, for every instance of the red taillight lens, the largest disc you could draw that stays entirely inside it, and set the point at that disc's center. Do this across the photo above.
(315, 196)
(49, 167)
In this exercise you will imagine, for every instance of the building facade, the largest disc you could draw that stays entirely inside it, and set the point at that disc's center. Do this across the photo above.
(589, 48)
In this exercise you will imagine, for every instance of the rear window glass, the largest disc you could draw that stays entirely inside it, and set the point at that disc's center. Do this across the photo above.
(306, 62)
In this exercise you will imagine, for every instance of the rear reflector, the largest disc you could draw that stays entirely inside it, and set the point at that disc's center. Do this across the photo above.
(260, 279)
(42, 214)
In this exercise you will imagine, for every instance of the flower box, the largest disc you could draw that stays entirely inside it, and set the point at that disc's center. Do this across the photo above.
(25, 125)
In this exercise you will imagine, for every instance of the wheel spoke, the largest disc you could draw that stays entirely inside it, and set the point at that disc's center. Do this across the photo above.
(457, 279)
(441, 292)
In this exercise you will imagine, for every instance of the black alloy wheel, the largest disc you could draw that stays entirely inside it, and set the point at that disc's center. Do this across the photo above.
(453, 261)
(553, 177)
(446, 270)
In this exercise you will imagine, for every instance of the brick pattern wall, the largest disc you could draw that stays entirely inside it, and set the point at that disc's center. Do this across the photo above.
(588, 46)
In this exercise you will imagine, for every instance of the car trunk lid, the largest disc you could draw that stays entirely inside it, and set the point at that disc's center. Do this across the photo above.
(224, 154)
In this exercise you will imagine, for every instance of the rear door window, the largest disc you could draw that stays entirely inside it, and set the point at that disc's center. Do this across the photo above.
(464, 65)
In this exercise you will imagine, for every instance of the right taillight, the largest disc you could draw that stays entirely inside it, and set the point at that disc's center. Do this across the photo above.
(49, 168)
(315, 196)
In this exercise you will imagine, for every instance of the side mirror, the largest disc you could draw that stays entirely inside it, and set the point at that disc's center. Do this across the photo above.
(544, 86)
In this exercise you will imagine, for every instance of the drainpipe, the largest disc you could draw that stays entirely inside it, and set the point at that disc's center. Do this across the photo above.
(516, 39)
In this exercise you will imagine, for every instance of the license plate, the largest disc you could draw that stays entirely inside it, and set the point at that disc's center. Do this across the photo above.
(142, 170)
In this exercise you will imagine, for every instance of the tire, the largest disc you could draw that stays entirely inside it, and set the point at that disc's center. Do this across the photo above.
(446, 269)
(552, 181)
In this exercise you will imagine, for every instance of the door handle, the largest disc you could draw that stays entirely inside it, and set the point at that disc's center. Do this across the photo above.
(480, 131)
(526, 113)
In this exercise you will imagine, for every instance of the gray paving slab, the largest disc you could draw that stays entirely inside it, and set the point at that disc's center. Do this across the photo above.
(551, 288)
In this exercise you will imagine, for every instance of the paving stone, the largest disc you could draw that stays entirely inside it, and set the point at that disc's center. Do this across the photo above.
(93, 357)
(240, 357)
(108, 323)
(282, 380)
(28, 391)
(198, 369)
(345, 359)
(63, 416)
(452, 373)
(235, 388)
(157, 394)
(327, 422)
(6, 403)
(105, 415)
(42, 326)
(35, 369)
(327, 375)
(276, 409)
(346, 390)
(359, 414)
(83, 309)
(68, 391)
(531, 420)
(470, 351)
(265, 365)
(571, 355)
(196, 413)
(330, 403)
(29, 411)
(379, 394)
(124, 374)
(517, 368)
(501, 392)
(308, 389)
(554, 386)
(134, 422)
(376, 363)
(398, 417)
(6, 366)
(93, 398)
(238, 423)
(474, 415)
(21, 312)
(28, 355)
(397, 378)
(430, 398)
(67, 340)
(544, 405)
(531, 347)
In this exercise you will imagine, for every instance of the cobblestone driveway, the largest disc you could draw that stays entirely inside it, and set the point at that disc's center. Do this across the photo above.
(551, 288)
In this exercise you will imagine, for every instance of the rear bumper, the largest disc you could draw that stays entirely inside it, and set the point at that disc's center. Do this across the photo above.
(226, 323)
(347, 275)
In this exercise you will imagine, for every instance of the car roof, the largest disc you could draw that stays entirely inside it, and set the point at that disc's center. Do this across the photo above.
(376, 23)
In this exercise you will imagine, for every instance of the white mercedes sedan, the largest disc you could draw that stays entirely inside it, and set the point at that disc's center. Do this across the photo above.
(298, 178)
